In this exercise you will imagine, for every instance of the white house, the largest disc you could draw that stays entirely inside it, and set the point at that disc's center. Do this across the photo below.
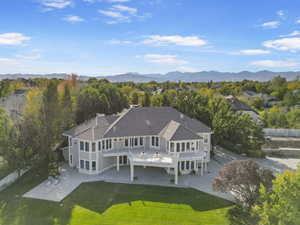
(140, 136)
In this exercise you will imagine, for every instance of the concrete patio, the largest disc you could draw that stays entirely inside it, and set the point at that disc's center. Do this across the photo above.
(70, 179)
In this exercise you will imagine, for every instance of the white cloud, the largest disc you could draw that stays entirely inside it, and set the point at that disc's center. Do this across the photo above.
(90, 1)
(119, 42)
(8, 61)
(19, 59)
(114, 1)
(121, 13)
(271, 24)
(252, 52)
(117, 16)
(273, 63)
(58, 4)
(281, 14)
(13, 39)
(168, 60)
(176, 40)
(294, 33)
(29, 57)
(284, 44)
(124, 8)
(187, 69)
(73, 19)
(297, 21)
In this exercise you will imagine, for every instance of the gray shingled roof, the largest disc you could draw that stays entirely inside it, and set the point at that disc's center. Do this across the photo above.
(93, 129)
(183, 133)
(238, 105)
(142, 121)
(175, 131)
(147, 121)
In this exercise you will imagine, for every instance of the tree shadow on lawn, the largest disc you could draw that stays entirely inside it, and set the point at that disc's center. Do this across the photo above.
(95, 197)
(16, 210)
(99, 196)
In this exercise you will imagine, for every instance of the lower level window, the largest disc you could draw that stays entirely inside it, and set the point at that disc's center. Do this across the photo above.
(71, 159)
(192, 165)
(81, 164)
(87, 165)
(93, 165)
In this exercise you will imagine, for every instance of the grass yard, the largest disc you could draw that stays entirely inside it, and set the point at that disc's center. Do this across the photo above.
(112, 204)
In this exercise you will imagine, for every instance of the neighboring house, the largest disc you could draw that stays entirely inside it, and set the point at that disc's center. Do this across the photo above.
(140, 136)
(158, 91)
(14, 103)
(242, 107)
(268, 100)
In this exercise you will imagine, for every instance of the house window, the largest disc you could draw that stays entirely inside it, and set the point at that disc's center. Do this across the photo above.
(187, 165)
(178, 147)
(197, 145)
(172, 147)
(205, 140)
(81, 146)
(87, 165)
(192, 165)
(183, 147)
(71, 141)
(136, 141)
(82, 164)
(93, 147)
(182, 165)
(141, 141)
(110, 143)
(107, 144)
(87, 146)
(126, 142)
(71, 159)
(99, 146)
(103, 144)
(93, 165)
(156, 141)
(188, 146)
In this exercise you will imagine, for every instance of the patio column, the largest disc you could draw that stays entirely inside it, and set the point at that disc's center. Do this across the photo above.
(176, 173)
(131, 171)
(205, 165)
(118, 163)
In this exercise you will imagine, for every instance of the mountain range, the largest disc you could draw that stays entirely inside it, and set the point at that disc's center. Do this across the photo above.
(176, 76)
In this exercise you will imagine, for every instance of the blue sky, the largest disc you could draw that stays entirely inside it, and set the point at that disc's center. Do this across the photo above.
(102, 37)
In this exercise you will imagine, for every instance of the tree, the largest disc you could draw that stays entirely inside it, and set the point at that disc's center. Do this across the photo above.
(135, 98)
(45, 122)
(146, 100)
(99, 97)
(67, 108)
(11, 149)
(278, 82)
(281, 205)
(243, 178)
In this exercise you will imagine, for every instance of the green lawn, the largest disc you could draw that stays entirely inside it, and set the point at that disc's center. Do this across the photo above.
(113, 204)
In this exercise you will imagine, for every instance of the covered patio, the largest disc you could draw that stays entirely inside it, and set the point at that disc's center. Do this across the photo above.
(172, 163)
